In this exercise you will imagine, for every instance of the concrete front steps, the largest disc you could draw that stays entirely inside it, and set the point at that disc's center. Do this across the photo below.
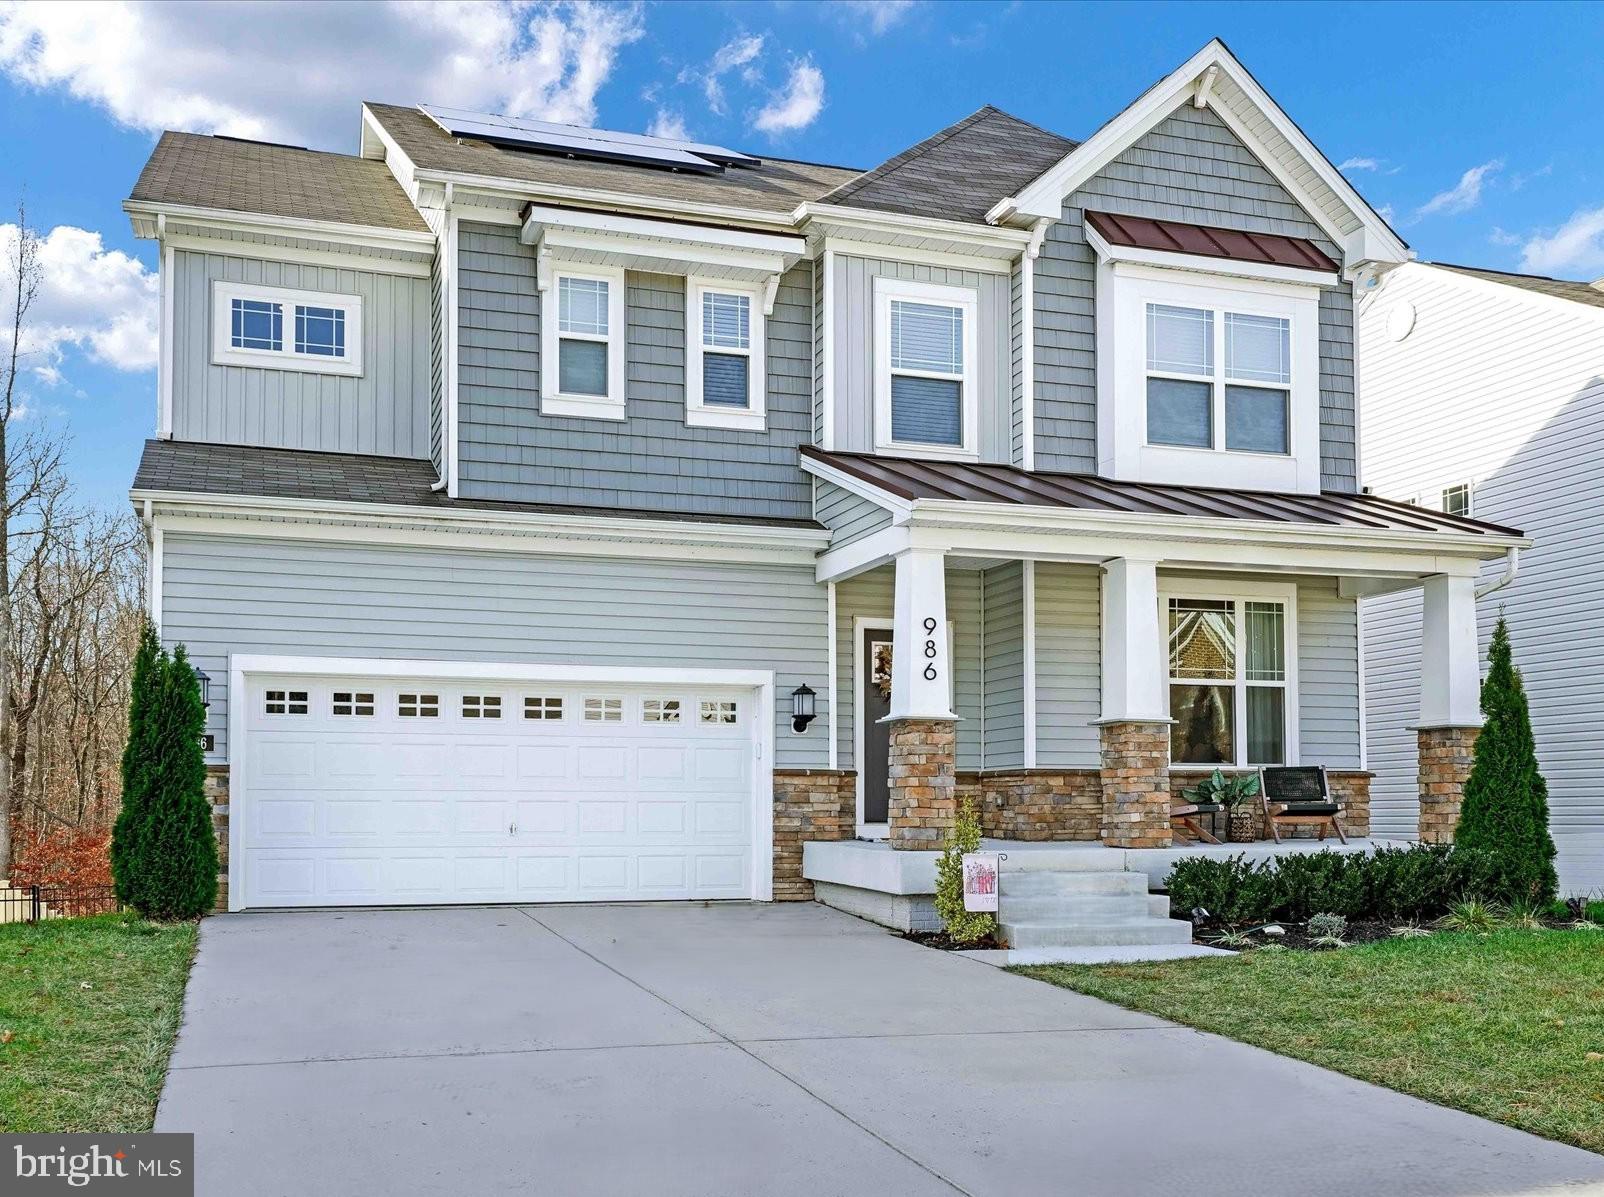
(1042, 906)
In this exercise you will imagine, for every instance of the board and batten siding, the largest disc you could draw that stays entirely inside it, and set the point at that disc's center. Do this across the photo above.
(853, 350)
(651, 460)
(1504, 390)
(384, 411)
(849, 517)
(1190, 168)
(226, 595)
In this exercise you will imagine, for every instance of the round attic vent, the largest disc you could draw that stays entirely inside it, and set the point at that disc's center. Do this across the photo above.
(1401, 320)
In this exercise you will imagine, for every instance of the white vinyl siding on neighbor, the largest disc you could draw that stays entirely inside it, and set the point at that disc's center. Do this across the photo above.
(725, 363)
(582, 344)
(1503, 390)
(278, 328)
(924, 384)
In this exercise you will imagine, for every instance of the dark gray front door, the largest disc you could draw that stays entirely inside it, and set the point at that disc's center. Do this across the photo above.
(874, 704)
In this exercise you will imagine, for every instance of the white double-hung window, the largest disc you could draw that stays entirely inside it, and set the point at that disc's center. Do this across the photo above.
(924, 369)
(285, 329)
(582, 344)
(725, 372)
(1218, 379)
(1232, 675)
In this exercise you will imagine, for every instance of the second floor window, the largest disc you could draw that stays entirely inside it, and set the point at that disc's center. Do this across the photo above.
(1456, 499)
(1218, 379)
(582, 327)
(277, 328)
(924, 384)
(725, 369)
(582, 320)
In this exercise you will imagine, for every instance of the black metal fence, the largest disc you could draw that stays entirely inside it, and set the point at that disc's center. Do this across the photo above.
(35, 903)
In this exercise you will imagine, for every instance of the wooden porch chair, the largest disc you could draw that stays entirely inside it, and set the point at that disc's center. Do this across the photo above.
(1183, 820)
(1298, 796)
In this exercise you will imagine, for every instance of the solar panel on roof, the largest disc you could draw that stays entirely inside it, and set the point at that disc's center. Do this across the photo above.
(579, 141)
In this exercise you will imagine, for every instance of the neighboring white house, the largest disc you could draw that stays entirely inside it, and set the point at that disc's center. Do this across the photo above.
(1484, 396)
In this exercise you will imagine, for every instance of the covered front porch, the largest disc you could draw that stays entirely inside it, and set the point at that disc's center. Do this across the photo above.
(1072, 653)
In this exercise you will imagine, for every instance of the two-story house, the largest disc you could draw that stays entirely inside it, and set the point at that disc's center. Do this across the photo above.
(568, 515)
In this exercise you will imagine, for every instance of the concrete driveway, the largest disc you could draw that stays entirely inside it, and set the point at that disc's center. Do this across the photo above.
(747, 1050)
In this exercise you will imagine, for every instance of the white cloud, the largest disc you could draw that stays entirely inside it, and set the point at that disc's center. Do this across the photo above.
(1519, 181)
(220, 67)
(796, 105)
(878, 15)
(1360, 164)
(668, 124)
(1576, 248)
(738, 52)
(1501, 237)
(97, 300)
(1463, 195)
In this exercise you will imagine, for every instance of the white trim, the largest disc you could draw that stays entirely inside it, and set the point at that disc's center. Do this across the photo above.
(164, 371)
(890, 234)
(541, 216)
(1364, 701)
(918, 255)
(1028, 682)
(145, 216)
(699, 414)
(296, 256)
(154, 599)
(967, 301)
(833, 670)
(1285, 593)
(827, 331)
(1027, 344)
(553, 402)
(1123, 293)
(241, 666)
(1198, 263)
(451, 368)
(225, 353)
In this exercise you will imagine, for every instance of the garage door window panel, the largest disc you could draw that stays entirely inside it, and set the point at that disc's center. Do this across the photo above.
(353, 702)
(544, 707)
(481, 706)
(660, 710)
(418, 706)
(604, 710)
(287, 702)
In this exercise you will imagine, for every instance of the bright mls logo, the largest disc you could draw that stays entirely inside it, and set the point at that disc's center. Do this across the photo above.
(129, 1165)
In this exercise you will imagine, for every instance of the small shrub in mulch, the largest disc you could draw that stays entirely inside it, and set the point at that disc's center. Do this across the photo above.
(946, 943)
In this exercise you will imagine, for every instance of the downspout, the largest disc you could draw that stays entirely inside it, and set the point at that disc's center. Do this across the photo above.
(1511, 568)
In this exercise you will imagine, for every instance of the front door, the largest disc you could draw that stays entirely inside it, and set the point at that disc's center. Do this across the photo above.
(874, 704)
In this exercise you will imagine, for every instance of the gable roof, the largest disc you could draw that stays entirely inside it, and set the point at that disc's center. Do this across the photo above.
(274, 180)
(960, 172)
(1557, 288)
(776, 186)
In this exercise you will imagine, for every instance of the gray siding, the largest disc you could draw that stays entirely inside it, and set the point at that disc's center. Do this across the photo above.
(1016, 360)
(1069, 694)
(1328, 675)
(236, 595)
(847, 515)
(854, 350)
(385, 411)
(437, 363)
(649, 461)
(870, 595)
(1003, 683)
(1392, 709)
(1191, 167)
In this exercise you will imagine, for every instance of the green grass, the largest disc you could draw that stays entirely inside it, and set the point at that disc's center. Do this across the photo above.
(89, 1009)
(1509, 1025)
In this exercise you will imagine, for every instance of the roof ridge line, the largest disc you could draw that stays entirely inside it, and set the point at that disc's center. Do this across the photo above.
(917, 150)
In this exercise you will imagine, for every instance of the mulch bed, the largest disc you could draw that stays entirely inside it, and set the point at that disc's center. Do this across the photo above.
(1296, 935)
(944, 942)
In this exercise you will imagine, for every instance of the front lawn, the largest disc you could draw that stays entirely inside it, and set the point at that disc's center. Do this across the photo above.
(89, 1009)
(1508, 1025)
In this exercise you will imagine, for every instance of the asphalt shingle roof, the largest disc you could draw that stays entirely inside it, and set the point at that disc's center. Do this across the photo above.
(960, 172)
(1583, 293)
(776, 186)
(202, 468)
(273, 180)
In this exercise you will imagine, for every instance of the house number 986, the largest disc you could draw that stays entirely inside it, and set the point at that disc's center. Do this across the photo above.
(930, 650)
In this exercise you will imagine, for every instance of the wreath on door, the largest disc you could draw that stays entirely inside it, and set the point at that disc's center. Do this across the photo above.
(881, 675)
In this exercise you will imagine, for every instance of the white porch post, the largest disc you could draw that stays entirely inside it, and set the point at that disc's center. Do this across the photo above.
(920, 685)
(1133, 643)
(1450, 675)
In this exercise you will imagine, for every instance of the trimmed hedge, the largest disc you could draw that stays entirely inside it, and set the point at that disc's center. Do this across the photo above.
(1419, 881)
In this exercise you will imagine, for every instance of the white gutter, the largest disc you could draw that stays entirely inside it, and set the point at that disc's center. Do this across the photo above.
(1511, 568)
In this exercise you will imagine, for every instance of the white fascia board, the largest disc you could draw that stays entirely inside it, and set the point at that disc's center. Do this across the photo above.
(769, 244)
(481, 671)
(144, 215)
(981, 239)
(865, 553)
(621, 201)
(1045, 195)
(1198, 264)
(408, 268)
(920, 255)
(584, 247)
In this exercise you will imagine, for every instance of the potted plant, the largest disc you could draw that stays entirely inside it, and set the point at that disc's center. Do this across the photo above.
(1233, 794)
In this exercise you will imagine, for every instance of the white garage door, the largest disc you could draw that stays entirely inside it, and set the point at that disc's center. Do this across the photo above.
(386, 791)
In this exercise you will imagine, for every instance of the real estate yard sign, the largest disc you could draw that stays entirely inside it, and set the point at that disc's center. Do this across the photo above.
(980, 881)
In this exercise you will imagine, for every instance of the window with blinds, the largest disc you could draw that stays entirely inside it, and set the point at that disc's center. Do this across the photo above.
(927, 373)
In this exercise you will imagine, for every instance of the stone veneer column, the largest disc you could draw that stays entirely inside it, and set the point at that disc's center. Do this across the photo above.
(217, 796)
(1446, 754)
(922, 773)
(809, 804)
(1136, 783)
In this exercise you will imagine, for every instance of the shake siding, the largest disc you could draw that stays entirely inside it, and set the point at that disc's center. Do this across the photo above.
(846, 514)
(1016, 341)
(437, 362)
(233, 595)
(1192, 168)
(651, 460)
(384, 411)
(854, 350)
(1068, 670)
(871, 595)
(1003, 610)
(1504, 390)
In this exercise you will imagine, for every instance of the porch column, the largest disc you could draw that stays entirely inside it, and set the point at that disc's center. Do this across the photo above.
(1450, 702)
(1134, 728)
(921, 762)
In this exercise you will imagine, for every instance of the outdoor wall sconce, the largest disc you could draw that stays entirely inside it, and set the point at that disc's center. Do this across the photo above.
(802, 712)
(204, 680)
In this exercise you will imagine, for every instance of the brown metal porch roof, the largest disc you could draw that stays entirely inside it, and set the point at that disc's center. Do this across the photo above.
(912, 479)
(1206, 241)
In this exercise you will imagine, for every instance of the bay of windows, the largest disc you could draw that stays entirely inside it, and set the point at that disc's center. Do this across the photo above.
(1228, 680)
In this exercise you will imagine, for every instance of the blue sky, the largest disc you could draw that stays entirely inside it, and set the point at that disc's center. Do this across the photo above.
(1475, 127)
